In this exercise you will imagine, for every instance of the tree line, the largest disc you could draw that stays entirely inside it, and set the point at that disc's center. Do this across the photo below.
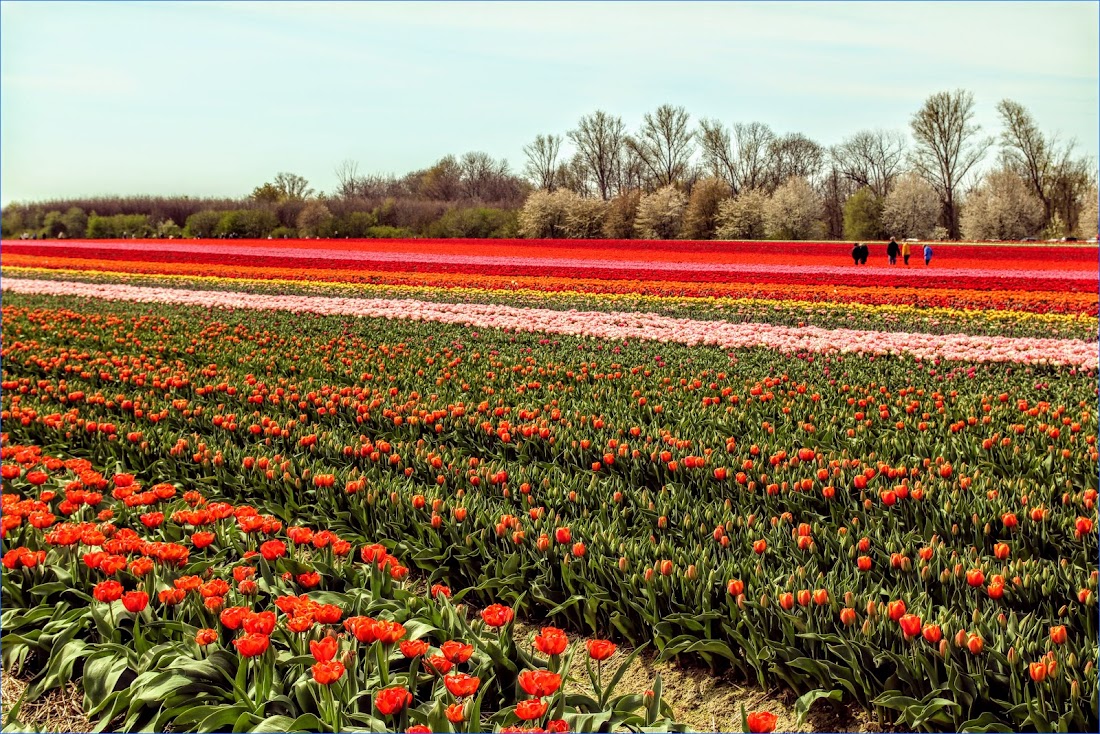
(670, 178)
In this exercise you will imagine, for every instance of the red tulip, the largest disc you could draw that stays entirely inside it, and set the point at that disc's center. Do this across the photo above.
(273, 549)
(735, 587)
(232, 617)
(539, 682)
(135, 601)
(107, 591)
(601, 649)
(562, 535)
(910, 625)
(251, 645)
(206, 636)
(438, 664)
(975, 577)
(456, 652)
(497, 615)
(1038, 672)
(388, 632)
(414, 648)
(932, 633)
(895, 610)
(456, 713)
(202, 539)
(551, 641)
(323, 650)
(1058, 634)
(532, 708)
(461, 684)
(326, 672)
(391, 700)
(761, 722)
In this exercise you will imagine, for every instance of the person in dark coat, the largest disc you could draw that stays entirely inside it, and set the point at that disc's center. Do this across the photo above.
(892, 250)
(855, 254)
(864, 251)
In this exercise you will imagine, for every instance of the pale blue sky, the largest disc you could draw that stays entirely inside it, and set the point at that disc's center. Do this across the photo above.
(215, 98)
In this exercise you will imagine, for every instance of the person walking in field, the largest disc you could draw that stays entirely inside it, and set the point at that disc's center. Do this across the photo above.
(864, 251)
(892, 250)
(855, 254)
(905, 252)
(927, 254)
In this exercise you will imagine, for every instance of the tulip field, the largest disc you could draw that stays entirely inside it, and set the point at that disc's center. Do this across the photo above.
(315, 485)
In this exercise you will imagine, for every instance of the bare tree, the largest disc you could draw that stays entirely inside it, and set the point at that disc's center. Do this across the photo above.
(1049, 168)
(292, 186)
(481, 174)
(573, 175)
(664, 145)
(599, 141)
(794, 156)
(347, 178)
(443, 181)
(754, 143)
(716, 146)
(835, 188)
(948, 148)
(542, 161)
(872, 158)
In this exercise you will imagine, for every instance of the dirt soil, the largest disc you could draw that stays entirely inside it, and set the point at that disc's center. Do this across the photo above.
(57, 711)
(712, 703)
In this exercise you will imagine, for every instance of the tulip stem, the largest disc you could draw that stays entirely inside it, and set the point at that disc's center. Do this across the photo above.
(383, 667)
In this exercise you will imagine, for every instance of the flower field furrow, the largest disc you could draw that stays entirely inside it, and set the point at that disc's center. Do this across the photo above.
(521, 260)
(827, 314)
(930, 297)
(610, 325)
(975, 279)
(1006, 257)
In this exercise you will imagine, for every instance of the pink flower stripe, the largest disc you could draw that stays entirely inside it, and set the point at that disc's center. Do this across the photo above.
(483, 261)
(610, 325)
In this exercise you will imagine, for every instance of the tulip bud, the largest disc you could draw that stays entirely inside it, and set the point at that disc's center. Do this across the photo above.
(1013, 658)
(848, 597)
(944, 648)
(1062, 612)
(960, 638)
(976, 617)
(1074, 689)
(1071, 660)
(1002, 620)
(1088, 668)
(764, 601)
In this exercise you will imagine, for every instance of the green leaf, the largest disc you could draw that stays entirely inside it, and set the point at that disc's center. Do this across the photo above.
(806, 701)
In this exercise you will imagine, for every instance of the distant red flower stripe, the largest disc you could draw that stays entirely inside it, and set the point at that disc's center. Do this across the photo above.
(874, 277)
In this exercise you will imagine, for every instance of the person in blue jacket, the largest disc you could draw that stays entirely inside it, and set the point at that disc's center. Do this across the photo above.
(927, 254)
